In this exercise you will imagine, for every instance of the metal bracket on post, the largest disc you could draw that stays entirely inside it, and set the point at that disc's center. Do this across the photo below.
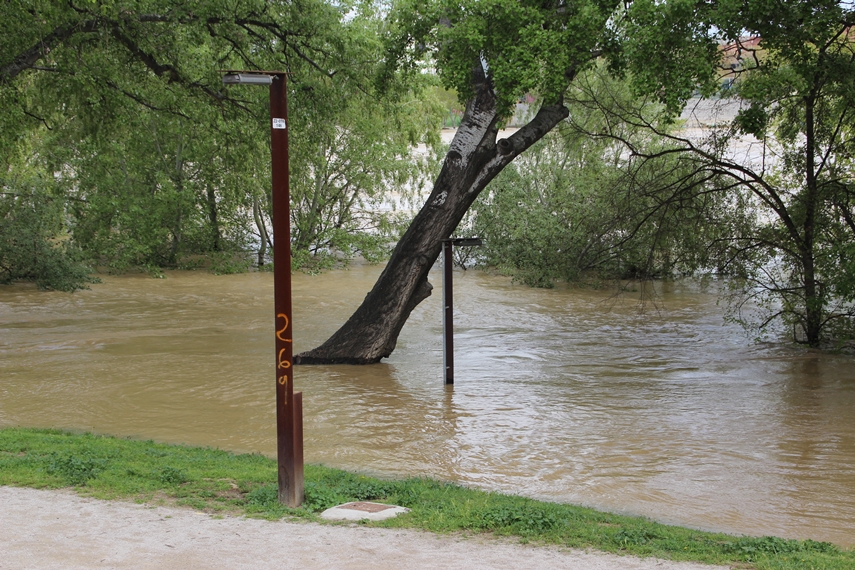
(448, 304)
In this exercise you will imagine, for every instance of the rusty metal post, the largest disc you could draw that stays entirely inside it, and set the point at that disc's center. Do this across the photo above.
(447, 312)
(289, 427)
(448, 304)
(298, 445)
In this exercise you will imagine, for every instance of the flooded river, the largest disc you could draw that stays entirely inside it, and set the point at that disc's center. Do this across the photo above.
(560, 394)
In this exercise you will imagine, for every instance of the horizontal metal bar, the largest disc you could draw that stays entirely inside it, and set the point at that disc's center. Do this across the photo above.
(247, 79)
(465, 241)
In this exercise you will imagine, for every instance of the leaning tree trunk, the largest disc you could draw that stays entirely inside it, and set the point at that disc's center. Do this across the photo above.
(473, 160)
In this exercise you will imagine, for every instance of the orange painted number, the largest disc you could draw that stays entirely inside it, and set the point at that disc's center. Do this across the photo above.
(283, 360)
(284, 327)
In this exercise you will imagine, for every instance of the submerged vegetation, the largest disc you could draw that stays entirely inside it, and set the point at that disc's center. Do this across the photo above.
(224, 483)
(622, 191)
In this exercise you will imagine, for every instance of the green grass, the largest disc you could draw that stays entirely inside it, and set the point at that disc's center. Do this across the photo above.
(221, 483)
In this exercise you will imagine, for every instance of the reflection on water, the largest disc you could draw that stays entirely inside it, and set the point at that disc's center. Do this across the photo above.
(560, 394)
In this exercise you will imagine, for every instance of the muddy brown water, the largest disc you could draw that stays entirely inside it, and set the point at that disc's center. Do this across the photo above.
(560, 394)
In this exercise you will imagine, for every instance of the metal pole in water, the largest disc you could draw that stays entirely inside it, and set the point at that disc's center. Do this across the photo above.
(447, 303)
(447, 312)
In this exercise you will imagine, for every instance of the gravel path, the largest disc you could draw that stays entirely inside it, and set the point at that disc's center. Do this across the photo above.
(59, 529)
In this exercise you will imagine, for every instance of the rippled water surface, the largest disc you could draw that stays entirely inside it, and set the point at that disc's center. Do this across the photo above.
(562, 394)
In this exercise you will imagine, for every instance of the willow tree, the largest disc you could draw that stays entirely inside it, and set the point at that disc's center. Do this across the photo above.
(603, 197)
(793, 66)
(494, 52)
(122, 105)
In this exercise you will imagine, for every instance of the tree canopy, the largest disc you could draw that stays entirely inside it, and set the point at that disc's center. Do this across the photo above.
(584, 207)
(154, 161)
(776, 181)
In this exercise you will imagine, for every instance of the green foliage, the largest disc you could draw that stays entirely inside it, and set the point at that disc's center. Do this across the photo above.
(797, 87)
(76, 469)
(334, 487)
(578, 206)
(753, 547)
(345, 166)
(651, 201)
(265, 497)
(142, 200)
(352, 161)
(521, 519)
(634, 537)
(670, 50)
(33, 242)
(527, 46)
(158, 163)
(227, 263)
(217, 481)
(318, 498)
(171, 475)
(516, 39)
(450, 101)
(536, 48)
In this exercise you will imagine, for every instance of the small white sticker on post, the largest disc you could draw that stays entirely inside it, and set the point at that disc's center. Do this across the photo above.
(279, 124)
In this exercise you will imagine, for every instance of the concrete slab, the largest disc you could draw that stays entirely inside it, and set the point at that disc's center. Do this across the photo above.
(362, 510)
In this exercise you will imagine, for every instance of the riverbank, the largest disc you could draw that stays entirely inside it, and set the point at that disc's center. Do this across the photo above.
(226, 487)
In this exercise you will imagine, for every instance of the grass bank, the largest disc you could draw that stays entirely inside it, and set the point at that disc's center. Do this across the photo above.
(219, 482)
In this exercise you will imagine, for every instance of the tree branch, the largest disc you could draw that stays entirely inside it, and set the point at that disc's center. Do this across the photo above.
(28, 58)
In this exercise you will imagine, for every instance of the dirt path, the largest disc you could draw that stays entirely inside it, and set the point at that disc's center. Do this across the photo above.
(58, 529)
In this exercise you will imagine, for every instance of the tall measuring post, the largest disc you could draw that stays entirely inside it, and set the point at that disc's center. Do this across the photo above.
(289, 405)
(448, 302)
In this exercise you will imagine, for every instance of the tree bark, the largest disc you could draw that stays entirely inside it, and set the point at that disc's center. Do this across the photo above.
(213, 218)
(473, 160)
(263, 237)
(814, 303)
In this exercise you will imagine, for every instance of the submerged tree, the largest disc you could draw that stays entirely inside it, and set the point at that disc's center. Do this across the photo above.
(799, 86)
(795, 82)
(794, 85)
(493, 53)
(579, 206)
(34, 245)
